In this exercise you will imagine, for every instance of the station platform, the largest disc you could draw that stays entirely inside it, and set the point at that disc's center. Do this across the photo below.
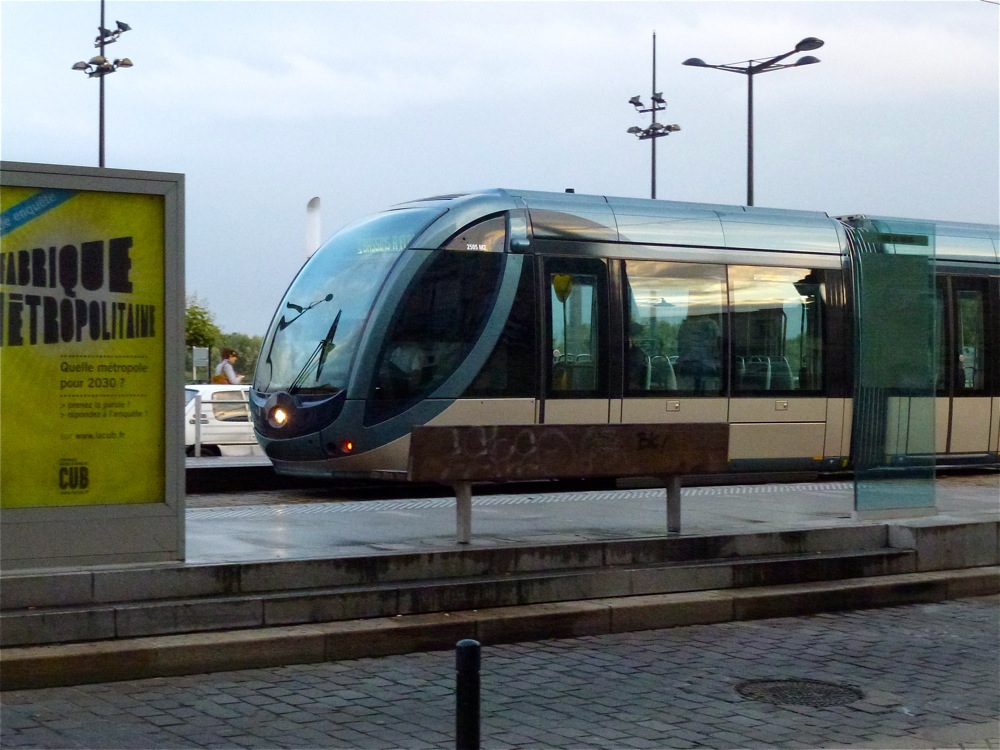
(314, 521)
(303, 575)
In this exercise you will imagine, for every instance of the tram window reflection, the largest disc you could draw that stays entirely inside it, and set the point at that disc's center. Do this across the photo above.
(971, 340)
(510, 370)
(485, 236)
(777, 329)
(574, 332)
(438, 320)
(674, 318)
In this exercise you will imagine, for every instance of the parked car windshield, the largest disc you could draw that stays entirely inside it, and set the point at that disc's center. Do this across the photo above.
(314, 335)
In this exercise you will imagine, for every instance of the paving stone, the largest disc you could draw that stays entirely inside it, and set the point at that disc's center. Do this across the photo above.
(668, 688)
(166, 720)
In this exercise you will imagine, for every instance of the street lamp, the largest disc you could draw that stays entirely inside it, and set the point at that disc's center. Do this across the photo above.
(750, 68)
(655, 130)
(99, 66)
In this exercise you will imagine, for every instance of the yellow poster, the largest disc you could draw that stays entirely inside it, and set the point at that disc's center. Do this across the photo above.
(81, 348)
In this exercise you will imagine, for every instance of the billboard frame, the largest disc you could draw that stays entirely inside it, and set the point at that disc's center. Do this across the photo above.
(70, 536)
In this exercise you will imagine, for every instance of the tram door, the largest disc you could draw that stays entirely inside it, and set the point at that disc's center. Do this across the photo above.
(965, 411)
(674, 349)
(779, 409)
(575, 341)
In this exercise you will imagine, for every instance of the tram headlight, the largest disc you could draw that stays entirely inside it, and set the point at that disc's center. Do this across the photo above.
(277, 417)
(279, 410)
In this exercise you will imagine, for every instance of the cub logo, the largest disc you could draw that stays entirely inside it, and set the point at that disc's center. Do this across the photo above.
(74, 476)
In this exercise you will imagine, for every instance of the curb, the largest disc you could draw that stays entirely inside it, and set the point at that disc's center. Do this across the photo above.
(26, 668)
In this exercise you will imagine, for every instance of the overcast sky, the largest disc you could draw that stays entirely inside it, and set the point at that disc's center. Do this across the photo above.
(264, 105)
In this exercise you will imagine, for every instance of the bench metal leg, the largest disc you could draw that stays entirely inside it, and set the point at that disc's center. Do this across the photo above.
(673, 504)
(463, 512)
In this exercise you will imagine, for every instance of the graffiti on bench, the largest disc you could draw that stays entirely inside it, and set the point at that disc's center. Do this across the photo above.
(526, 452)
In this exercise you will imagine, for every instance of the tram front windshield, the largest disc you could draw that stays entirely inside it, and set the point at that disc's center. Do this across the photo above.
(312, 340)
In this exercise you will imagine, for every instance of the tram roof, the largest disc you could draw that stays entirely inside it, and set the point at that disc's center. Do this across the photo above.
(948, 240)
(600, 218)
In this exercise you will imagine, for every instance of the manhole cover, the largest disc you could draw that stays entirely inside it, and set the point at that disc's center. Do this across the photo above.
(814, 693)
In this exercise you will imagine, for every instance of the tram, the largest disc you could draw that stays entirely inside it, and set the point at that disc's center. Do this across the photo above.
(512, 307)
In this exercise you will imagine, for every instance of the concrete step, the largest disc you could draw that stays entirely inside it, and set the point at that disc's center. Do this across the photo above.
(135, 583)
(128, 601)
(171, 655)
(303, 604)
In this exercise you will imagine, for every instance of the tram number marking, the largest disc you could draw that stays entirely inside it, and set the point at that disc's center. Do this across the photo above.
(475, 246)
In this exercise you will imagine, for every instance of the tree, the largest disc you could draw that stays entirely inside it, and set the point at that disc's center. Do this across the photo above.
(199, 324)
(200, 329)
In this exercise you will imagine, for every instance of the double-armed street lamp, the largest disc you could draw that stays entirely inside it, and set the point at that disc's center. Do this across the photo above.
(750, 68)
(99, 66)
(655, 130)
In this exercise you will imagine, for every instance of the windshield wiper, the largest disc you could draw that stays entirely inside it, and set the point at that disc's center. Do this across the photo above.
(283, 324)
(323, 348)
(327, 345)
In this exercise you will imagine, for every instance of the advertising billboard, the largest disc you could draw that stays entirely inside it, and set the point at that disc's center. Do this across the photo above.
(91, 304)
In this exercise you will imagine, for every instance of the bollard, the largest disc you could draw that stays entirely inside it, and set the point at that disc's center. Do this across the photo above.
(467, 695)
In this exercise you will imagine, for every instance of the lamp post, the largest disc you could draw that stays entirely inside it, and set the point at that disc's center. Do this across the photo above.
(655, 130)
(99, 66)
(750, 68)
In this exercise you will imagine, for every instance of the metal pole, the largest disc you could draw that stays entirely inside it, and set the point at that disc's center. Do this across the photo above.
(463, 511)
(749, 138)
(197, 426)
(467, 662)
(100, 128)
(100, 153)
(652, 193)
(673, 504)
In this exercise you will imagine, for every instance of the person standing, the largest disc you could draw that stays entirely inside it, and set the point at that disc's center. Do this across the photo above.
(225, 373)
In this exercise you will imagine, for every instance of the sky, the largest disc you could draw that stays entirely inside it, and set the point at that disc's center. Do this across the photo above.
(265, 105)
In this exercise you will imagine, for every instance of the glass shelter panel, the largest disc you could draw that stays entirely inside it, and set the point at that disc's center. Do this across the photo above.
(899, 369)
(777, 329)
(674, 317)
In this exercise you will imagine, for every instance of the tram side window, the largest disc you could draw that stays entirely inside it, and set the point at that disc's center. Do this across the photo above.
(485, 236)
(674, 318)
(574, 332)
(436, 324)
(971, 339)
(960, 336)
(510, 370)
(777, 329)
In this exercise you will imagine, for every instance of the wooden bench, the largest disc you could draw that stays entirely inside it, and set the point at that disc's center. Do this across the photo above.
(462, 456)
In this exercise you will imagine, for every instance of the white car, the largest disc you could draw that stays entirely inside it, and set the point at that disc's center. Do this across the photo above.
(226, 429)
